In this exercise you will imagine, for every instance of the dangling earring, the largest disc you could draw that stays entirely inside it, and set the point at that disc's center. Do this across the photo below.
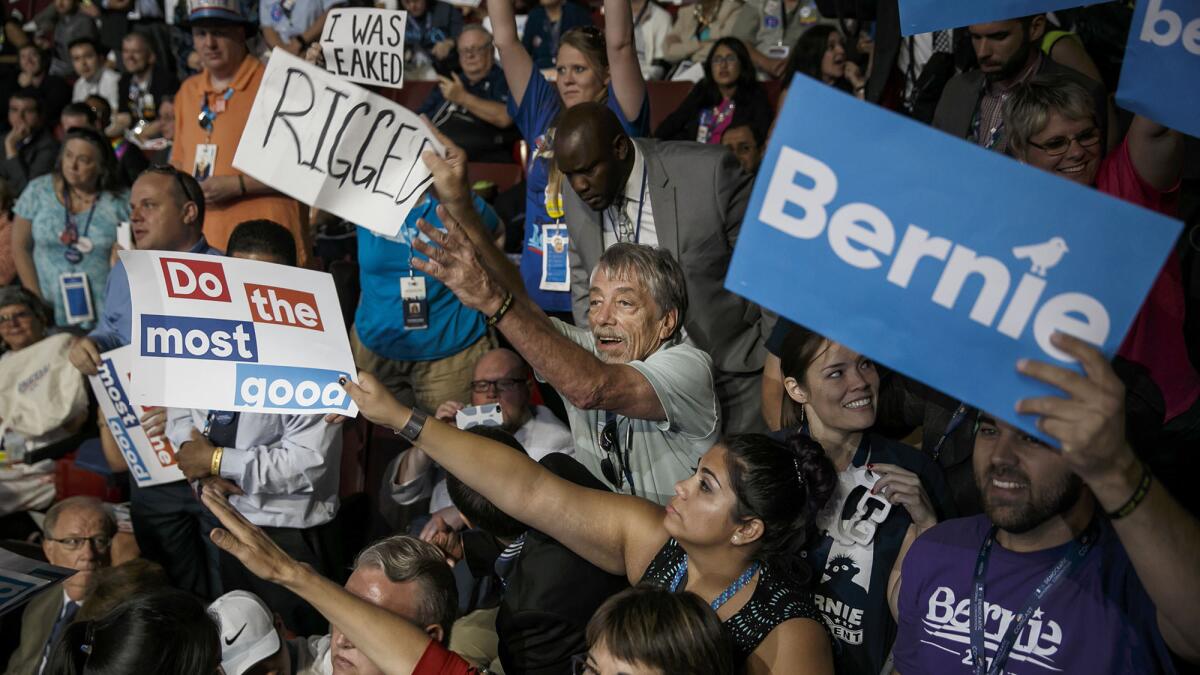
(803, 419)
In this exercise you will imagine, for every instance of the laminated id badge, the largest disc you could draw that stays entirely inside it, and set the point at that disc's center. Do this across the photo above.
(416, 305)
(206, 160)
(77, 298)
(556, 263)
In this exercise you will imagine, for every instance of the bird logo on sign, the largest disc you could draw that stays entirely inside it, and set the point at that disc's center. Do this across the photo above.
(1042, 256)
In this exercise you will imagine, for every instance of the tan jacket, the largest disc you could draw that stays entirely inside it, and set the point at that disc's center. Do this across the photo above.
(36, 624)
(727, 24)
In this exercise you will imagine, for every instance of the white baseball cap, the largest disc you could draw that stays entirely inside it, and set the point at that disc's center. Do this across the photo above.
(247, 630)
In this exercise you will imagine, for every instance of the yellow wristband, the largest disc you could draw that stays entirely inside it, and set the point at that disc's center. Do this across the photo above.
(215, 467)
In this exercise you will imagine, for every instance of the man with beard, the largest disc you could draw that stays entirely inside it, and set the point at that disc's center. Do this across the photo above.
(1009, 53)
(1082, 562)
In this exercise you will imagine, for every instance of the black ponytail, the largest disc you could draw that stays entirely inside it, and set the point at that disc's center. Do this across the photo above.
(69, 654)
(784, 484)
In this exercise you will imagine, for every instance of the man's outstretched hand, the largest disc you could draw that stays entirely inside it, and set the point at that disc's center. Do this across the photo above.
(454, 261)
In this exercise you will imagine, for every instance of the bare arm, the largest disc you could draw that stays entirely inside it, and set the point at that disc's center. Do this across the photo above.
(272, 37)
(618, 533)
(514, 60)
(893, 589)
(794, 646)
(22, 252)
(1157, 152)
(1160, 537)
(314, 31)
(623, 66)
(384, 637)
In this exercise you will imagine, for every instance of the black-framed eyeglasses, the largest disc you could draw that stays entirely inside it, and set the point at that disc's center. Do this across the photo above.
(503, 385)
(19, 315)
(1060, 144)
(611, 465)
(101, 542)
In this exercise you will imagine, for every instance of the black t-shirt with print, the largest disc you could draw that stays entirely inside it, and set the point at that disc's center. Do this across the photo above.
(861, 535)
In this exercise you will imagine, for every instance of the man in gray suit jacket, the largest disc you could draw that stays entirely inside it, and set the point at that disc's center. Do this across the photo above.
(1009, 53)
(685, 198)
(79, 532)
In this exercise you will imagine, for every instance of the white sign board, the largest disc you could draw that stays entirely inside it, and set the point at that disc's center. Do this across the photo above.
(365, 45)
(151, 462)
(219, 333)
(21, 578)
(335, 145)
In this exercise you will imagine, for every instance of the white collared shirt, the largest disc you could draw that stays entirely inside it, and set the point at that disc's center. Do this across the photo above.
(636, 201)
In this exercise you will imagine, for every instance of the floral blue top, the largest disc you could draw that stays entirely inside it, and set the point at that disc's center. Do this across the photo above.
(40, 206)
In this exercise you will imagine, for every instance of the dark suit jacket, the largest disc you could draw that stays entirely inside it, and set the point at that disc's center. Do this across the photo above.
(956, 109)
(698, 195)
(40, 615)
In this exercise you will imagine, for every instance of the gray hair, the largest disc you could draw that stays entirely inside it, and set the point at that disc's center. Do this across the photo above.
(475, 27)
(402, 558)
(78, 502)
(16, 295)
(654, 267)
(1028, 108)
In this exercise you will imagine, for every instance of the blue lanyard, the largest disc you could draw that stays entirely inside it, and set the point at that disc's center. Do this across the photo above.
(1078, 551)
(637, 233)
(956, 421)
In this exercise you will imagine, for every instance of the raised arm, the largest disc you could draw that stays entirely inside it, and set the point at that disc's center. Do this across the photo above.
(514, 60)
(623, 66)
(1157, 152)
(384, 637)
(577, 374)
(1160, 537)
(618, 533)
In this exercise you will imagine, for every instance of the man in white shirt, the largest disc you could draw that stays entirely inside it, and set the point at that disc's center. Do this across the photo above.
(79, 533)
(94, 76)
(502, 377)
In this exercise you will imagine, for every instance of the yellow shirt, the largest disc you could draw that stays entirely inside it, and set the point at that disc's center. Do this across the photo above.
(221, 219)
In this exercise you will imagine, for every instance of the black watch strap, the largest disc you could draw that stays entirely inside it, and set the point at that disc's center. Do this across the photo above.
(412, 429)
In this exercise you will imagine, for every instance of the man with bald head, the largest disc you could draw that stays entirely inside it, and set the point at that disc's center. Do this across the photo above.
(500, 376)
(685, 198)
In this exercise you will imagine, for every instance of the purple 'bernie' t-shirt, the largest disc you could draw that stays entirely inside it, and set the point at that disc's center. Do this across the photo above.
(1097, 620)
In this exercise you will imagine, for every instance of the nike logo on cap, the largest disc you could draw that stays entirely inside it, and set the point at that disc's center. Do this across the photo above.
(230, 641)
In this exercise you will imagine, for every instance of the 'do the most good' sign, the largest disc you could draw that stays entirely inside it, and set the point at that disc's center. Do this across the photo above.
(228, 334)
(335, 145)
(949, 280)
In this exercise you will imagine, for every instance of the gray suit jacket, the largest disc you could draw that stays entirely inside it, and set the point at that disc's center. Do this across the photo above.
(698, 195)
(956, 109)
(36, 624)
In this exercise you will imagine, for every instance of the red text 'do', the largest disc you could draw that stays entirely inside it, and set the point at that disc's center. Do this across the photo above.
(195, 279)
(284, 306)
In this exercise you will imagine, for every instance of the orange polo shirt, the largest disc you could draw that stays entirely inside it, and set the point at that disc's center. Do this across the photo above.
(221, 219)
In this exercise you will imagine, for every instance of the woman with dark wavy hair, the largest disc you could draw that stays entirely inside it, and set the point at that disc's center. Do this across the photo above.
(728, 96)
(732, 534)
(165, 632)
(820, 53)
(66, 223)
(887, 494)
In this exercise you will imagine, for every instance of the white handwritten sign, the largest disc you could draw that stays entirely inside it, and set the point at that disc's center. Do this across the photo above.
(151, 462)
(335, 145)
(365, 45)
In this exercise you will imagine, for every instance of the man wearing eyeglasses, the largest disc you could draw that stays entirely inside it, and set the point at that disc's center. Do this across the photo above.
(470, 106)
(500, 376)
(78, 536)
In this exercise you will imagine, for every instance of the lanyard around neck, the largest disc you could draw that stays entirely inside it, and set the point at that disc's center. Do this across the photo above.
(1071, 560)
(612, 216)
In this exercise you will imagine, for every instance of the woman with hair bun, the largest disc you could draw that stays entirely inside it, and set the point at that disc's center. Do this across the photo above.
(732, 533)
(165, 632)
(887, 494)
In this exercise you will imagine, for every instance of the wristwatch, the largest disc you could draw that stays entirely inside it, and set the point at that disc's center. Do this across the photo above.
(412, 429)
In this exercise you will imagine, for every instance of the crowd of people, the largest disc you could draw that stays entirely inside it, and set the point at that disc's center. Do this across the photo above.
(603, 461)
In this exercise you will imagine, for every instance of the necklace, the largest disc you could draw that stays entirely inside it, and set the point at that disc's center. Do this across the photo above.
(706, 19)
(737, 585)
